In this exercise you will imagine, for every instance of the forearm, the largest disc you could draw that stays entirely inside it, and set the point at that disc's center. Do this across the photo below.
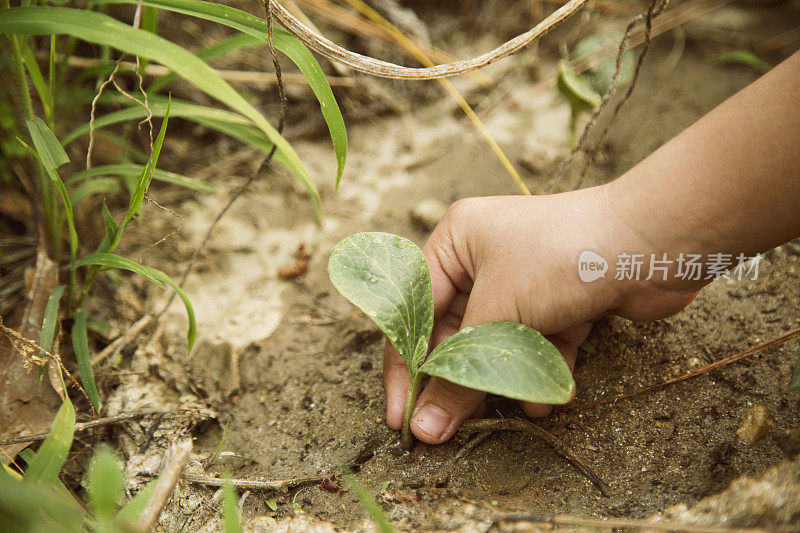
(730, 183)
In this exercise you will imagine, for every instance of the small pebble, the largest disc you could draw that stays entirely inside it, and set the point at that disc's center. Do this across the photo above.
(755, 423)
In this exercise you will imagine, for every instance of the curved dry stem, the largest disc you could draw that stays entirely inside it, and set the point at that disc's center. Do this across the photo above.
(385, 69)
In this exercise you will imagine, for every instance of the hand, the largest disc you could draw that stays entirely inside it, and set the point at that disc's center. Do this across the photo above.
(515, 258)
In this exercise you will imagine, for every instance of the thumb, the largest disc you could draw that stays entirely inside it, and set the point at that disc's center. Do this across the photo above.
(443, 406)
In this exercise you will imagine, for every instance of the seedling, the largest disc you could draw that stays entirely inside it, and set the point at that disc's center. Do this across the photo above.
(386, 276)
(584, 91)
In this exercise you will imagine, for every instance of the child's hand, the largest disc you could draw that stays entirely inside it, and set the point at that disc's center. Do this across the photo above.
(728, 184)
(516, 258)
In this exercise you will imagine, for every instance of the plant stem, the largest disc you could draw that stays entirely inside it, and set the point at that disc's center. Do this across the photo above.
(407, 438)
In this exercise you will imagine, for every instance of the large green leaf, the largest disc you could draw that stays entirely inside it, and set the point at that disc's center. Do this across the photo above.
(154, 275)
(599, 78)
(104, 484)
(503, 358)
(52, 454)
(286, 43)
(104, 30)
(387, 277)
(80, 345)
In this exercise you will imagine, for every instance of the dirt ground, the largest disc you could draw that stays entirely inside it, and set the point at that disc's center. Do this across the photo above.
(294, 372)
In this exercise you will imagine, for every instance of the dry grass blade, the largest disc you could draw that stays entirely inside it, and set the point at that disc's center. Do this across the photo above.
(385, 69)
(409, 45)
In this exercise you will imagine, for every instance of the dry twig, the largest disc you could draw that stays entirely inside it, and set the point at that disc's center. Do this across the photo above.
(627, 523)
(716, 364)
(174, 461)
(83, 426)
(278, 484)
(385, 69)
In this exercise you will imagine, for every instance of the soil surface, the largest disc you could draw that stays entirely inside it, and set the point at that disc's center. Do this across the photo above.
(293, 371)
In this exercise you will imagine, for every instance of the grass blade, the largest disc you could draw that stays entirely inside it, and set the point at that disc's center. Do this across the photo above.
(104, 30)
(80, 345)
(96, 186)
(52, 454)
(374, 510)
(104, 484)
(230, 509)
(130, 169)
(22, 505)
(52, 155)
(226, 122)
(218, 49)
(286, 43)
(41, 86)
(132, 512)
(51, 318)
(154, 275)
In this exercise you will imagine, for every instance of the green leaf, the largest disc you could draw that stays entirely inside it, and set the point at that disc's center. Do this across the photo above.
(503, 358)
(51, 153)
(51, 318)
(154, 275)
(130, 169)
(230, 509)
(599, 78)
(794, 382)
(52, 454)
(369, 504)
(743, 57)
(23, 506)
(104, 30)
(286, 43)
(104, 484)
(575, 89)
(80, 345)
(387, 277)
(272, 504)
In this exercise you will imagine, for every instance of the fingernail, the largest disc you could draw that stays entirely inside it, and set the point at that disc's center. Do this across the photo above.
(432, 420)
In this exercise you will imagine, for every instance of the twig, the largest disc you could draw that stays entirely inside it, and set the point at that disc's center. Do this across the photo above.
(716, 364)
(174, 461)
(82, 426)
(513, 424)
(385, 69)
(625, 523)
(250, 484)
